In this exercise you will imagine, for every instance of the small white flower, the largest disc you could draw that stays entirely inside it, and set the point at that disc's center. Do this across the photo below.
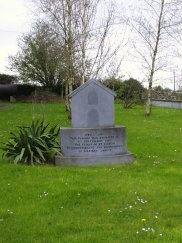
(109, 210)
(156, 216)
(78, 194)
(143, 229)
(130, 206)
(160, 234)
(137, 232)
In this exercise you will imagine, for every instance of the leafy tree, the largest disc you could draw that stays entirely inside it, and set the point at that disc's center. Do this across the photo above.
(113, 83)
(40, 58)
(158, 88)
(167, 90)
(7, 79)
(130, 93)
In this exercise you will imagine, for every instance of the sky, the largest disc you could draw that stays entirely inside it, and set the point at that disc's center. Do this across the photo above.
(15, 19)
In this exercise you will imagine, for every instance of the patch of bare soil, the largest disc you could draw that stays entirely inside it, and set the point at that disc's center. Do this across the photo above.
(3, 107)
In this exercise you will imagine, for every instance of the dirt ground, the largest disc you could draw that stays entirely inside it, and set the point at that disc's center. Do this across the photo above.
(3, 107)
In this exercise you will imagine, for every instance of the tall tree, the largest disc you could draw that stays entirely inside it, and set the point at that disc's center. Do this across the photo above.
(85, 36)
(156, 28)
(39, 58)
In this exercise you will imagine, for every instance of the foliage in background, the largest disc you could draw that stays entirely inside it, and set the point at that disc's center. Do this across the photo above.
(40, 58)
(7, 79)
(113, 83)
(131, 93)
(160, 93)
(159, 88)
(33, 144)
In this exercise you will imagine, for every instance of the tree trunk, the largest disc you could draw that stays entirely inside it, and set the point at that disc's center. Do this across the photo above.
(70, 55)
(66, 97)
(62, 91)
(149, 95)
(149, 100)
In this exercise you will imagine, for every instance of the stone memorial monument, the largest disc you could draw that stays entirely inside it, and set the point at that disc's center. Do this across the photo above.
(93, 138)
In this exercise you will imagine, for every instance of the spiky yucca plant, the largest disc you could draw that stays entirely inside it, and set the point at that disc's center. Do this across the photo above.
(33, 144)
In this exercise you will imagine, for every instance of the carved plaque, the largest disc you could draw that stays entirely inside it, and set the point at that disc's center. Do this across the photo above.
(93, 142)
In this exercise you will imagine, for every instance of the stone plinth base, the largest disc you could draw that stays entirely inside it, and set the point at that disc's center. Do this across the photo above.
(89, 146)
(87, 161)
(85, 142)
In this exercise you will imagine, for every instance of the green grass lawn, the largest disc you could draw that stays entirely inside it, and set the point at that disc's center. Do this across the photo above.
(141, 202)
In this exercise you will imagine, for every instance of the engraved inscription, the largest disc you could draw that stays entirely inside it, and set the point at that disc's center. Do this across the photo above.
(94, 143)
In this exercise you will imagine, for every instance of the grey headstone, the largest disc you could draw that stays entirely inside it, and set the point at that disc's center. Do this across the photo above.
(12, 99)
(93, 138)
(92, 106)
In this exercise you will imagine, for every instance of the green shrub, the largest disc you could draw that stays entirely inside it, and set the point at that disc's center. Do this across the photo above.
(131, 93)
(33, 144)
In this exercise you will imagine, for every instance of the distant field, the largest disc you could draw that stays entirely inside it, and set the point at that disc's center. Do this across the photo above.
(130, 203)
